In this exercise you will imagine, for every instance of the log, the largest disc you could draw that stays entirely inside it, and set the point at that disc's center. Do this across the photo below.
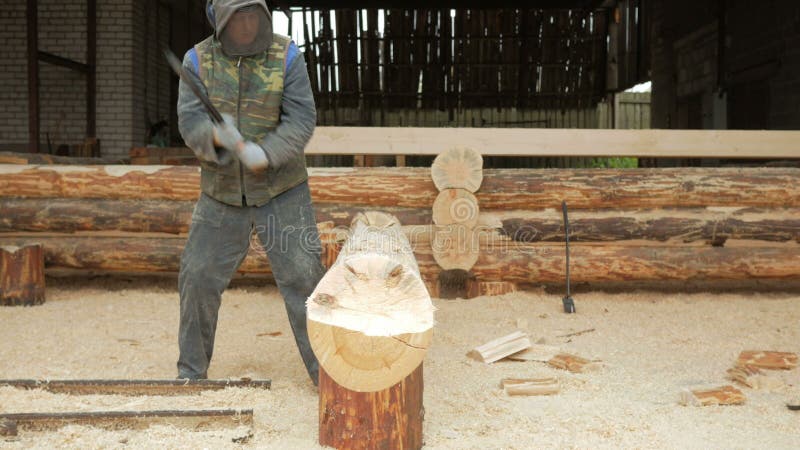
(712, 225)
(387, 419)
(458, 168)
(377, 187)
(513, 263)
(370, 319)
(723, 395)
(22, 275)
(42, 158)
(67, 215)
(476, 288)
(132, 420)
(455, 206)
(500, 348)
(678, 225)
(456, 246)
(764, 359)
(134, 387)
(530, 386)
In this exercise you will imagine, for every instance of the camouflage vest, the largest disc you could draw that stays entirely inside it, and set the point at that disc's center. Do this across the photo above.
(250, 90)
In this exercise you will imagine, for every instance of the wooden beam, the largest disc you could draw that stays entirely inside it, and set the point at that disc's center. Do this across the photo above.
(132, 420)
(760, 144)
(63, 62)
(135, 387)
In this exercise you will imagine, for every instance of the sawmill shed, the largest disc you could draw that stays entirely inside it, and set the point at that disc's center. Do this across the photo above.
(78, 69)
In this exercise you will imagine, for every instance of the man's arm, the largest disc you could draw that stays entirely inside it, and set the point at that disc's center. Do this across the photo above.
(298, 117)
(194, 123)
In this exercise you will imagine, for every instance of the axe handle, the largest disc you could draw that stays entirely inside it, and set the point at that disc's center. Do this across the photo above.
(176, 65)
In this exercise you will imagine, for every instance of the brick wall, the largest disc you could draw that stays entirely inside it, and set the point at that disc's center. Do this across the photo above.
(13, 77)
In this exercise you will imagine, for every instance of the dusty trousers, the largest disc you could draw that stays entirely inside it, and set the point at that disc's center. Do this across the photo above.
(219, 239)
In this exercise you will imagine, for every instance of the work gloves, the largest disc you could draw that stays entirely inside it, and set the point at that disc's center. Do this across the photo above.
(248, 153)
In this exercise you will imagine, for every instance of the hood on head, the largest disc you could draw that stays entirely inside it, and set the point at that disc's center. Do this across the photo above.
(219, 12)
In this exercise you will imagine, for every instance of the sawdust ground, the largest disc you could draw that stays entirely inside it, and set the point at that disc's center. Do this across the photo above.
(653, 344)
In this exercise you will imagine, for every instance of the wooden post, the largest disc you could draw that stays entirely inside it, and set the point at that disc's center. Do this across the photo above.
(391, 418)
(370, 323)
(21, 275)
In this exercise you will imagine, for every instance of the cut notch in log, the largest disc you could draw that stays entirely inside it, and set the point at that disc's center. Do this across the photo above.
(458, 168)
(135, 387)
(22, 275)
(500, 348)
(370, 319)
(723, 395)
(132, 420)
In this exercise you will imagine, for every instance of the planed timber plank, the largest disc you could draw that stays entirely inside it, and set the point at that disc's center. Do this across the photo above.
(135, 387)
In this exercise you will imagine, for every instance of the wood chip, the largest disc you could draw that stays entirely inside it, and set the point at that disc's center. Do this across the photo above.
(754, 378)
(500, 348)
(573, 363)
(723, 395)
(530, 386)
(764, 359)
(536, 352)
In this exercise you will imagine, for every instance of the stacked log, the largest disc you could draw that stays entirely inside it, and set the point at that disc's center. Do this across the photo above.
(629, 224)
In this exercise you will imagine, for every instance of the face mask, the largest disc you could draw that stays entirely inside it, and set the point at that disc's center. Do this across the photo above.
(247, 32)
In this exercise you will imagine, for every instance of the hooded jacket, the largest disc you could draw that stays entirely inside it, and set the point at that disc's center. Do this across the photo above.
(268, 94)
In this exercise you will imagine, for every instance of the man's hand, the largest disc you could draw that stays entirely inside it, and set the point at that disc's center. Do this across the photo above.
(250, 154)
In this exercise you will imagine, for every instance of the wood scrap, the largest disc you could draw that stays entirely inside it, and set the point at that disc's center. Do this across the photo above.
(530, 386)
(765, 359)
(500, 348)
(536, 352)
(574, 364)
(723, 395)
(754, 377)
(132, 420)
(135, 387)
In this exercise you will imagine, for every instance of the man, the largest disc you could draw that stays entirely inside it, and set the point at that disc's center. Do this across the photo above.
(253, 174)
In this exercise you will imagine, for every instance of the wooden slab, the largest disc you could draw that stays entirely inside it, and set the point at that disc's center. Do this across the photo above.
(754, 378)
(135, 387)
(573, 363)
(132, 420)
(723, 395)
(530, 386)
(767, 359)
(499, 348)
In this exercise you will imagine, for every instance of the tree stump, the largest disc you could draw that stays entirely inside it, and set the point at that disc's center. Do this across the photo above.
(370, 322)
(21, 275)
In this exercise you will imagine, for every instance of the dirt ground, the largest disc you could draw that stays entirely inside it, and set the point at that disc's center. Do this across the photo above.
(652, 343)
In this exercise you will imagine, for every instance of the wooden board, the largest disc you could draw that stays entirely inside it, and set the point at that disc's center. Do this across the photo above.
(499, 348)
(134, 387)
(723, 395)
(132, 420)
(556, 142)
(572, 363)
(530, 386)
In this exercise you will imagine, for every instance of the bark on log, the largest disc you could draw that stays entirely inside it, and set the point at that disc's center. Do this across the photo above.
(458, 168)
(509, 262)
(413, 187)
(664, 225)
(22, 275)
(387, 419)
(713, 225)
(370, 318)
(41, 158)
